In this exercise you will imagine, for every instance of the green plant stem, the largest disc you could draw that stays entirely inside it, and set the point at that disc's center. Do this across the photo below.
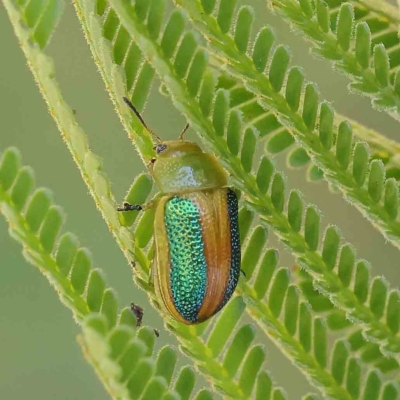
(330, 283)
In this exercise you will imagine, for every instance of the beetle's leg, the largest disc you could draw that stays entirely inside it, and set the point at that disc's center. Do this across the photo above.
(150, 164)
(136, 207)
(243, 273)
(138, 312)
(183, 132)
(130, 207)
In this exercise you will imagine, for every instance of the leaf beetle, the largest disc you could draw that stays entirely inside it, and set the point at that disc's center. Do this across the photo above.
(196, 265)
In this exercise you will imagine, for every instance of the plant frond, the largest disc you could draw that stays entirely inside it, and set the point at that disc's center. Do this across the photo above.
(274, 303)
(346, 163)
(142, 228)
(35, 222)
(241, 386)
(304, 323)
(270, 204)
(41, 19)
(209, 359)
(89, 164)
(368, 352)
(126, 361)
(224, 348)
(361, 40)
(278, 138)
(84, 290)
(122, 66)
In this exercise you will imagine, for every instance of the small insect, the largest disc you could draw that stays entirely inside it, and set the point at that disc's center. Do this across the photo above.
(196, 265)
(138, 312)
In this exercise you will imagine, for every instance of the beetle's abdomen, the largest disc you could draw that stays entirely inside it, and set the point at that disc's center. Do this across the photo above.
(197, 263)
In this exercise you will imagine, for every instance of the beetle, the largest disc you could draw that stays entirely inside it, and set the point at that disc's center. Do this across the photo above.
(196, 265)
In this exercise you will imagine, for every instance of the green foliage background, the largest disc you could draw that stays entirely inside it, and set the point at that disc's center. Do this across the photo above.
(40, 357)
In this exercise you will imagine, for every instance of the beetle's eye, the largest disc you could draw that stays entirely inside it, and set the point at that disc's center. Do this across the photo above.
(160, 148)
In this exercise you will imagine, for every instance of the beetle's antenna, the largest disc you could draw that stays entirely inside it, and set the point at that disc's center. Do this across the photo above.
(136, 112)
(183, 132)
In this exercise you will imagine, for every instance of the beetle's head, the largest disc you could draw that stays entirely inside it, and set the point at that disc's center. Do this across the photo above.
(176, 148)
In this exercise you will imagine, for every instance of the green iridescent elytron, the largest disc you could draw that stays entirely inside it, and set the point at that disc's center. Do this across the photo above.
(196, 266)
(188, 278)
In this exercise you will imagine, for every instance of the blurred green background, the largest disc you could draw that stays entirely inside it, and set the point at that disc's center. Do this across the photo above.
(39, 355)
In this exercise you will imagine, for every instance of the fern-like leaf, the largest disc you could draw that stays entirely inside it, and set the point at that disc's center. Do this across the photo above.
(359, 39)
(89, 164)
(208, 360)
(270, 205)
(305, 324)
(337, 322)
(231, 357)
(35, 222)
(122, 356)
(122, 67)
(241, 385)
(278, 138)
(170, 33)
(41, 21)
(362, 181)
(274, 303)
